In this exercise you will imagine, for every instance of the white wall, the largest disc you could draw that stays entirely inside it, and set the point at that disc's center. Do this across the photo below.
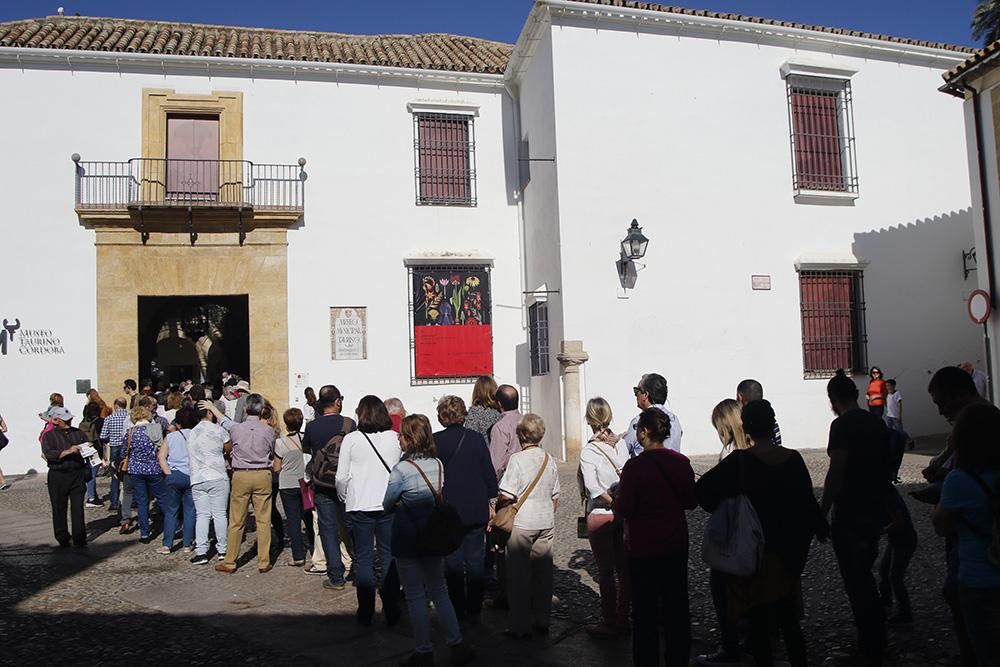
(543, 269)
(360, 223)
(691, 136)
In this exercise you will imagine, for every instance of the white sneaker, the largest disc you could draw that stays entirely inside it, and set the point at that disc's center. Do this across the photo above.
(163, 550)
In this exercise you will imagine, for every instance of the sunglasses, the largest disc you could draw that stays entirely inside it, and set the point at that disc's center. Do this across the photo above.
(636, 390)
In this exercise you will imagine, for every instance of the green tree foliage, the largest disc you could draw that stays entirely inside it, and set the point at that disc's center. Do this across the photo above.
(986, 21)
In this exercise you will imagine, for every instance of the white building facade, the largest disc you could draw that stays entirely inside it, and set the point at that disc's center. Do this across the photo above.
(805, 195)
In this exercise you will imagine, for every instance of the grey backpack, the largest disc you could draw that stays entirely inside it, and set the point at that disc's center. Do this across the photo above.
(734, 540)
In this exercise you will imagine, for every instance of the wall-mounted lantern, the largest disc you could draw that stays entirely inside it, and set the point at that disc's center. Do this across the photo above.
(633, 247)
(634, 244)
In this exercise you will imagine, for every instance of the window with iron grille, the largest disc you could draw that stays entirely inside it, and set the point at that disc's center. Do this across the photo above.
(833, 322)
(445, 159)
(821, 118)
(538, 337)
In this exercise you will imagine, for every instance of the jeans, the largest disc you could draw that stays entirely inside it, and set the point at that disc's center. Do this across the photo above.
(981, 607)
(423, 578)
(856, 546)
(892, 573)
(529, 578)
(147, 487)
(465, 573)
(291, 501)
(374, 528)
(92, 484)
(877, 410)
(326, 511)
(660, 601)
(211, 499)
(607, 541)
(177, 498)
(68, 486)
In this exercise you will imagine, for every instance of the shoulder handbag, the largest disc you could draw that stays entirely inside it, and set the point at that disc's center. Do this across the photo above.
(305, 488)
(375, 449)
(443, 531)
(734, 540)
(503, 522)
(122, 467)
(4, 441)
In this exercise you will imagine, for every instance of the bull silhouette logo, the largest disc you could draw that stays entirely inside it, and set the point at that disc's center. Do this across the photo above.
(7, 333)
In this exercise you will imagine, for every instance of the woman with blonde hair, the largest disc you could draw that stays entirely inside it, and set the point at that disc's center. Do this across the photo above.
(531, 479)
(601, 461)
(727, 418)
(484, 412)
(728, 422)
(141, 449)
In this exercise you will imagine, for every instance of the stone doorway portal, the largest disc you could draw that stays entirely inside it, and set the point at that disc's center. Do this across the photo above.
(193, 338)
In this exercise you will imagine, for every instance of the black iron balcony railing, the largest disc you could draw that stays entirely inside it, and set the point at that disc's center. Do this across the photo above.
(167, 182)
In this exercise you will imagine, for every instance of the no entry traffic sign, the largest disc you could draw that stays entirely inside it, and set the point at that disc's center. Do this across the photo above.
(979, 306)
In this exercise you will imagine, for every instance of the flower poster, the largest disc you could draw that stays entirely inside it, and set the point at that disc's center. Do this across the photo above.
(452, 327)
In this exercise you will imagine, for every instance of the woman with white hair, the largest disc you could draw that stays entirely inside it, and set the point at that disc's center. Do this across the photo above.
(531, 478)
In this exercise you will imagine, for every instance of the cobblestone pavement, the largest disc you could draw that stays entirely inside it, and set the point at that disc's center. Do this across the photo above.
(119, 602)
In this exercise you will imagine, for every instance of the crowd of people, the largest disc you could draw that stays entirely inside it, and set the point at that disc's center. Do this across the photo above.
(407, 512)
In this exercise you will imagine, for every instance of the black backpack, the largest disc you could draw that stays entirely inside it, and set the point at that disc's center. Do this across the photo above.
(323, 465)
(443, 531)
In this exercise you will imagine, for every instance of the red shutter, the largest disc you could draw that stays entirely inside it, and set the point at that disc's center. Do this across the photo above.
(443, 148)
(193, 157)
(816, 126)
(829, 340)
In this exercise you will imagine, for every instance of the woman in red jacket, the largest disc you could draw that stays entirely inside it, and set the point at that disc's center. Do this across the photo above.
(877, 392)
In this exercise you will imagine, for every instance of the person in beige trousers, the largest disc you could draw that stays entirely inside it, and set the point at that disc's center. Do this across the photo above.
(252, 461)
(529, 549)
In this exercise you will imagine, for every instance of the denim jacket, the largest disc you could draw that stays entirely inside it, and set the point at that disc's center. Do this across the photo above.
(411, 501)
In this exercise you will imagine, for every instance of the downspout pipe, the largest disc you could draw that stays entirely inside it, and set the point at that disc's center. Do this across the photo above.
(983, 192)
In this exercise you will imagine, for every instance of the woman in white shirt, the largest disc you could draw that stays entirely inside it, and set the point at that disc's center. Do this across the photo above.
(529, 550)
(601, 462)
(366, 457)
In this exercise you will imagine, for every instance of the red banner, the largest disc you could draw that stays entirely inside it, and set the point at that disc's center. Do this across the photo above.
(453, 351)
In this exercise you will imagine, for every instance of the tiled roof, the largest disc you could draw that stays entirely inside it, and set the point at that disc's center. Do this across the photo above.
(428, 51)
(652, 6)
(977, 58)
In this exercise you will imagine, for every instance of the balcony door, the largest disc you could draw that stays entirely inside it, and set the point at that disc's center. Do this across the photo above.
(192, 170)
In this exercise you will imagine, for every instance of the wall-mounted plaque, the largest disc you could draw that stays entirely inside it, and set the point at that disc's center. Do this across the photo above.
(349, 333)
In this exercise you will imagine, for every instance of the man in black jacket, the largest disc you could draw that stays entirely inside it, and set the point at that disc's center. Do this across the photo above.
(67, 479)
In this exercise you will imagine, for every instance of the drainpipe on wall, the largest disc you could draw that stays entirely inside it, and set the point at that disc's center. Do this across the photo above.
(987, 224)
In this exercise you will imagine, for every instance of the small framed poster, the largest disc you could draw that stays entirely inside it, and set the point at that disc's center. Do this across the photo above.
(760, 283)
